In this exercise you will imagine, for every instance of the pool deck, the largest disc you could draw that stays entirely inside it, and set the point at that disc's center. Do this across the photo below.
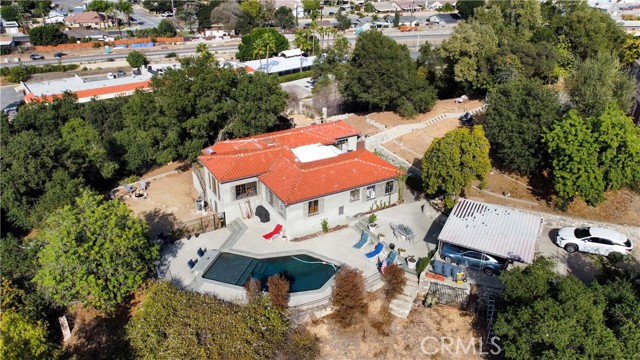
(335, 247)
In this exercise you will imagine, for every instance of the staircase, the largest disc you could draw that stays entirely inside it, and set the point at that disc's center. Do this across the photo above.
(237, 228)
(363, 225)
(401, 306)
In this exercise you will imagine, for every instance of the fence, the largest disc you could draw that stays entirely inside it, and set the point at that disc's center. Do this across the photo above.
(44, 48)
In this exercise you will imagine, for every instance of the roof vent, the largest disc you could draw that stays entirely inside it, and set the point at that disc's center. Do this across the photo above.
(209, 151)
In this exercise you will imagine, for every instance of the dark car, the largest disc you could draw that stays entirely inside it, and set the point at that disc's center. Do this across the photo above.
(488, 264)
(121, 73)
(36, 57)
(58, 55)
(12, 107)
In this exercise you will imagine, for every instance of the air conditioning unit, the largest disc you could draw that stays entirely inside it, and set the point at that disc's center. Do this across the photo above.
(199, 205)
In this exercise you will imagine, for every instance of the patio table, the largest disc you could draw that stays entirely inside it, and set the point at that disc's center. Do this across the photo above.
(405, 231)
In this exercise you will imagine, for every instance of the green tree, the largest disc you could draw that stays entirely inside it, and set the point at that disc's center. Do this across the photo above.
(311, 8)
(166, 28)
(226, 14)
(447, 7)
(96, 252)
(208, 327)
(284, 18)
(452, 162)
(48, 34)
(136, 59)
(343, 20)
(246, 48)
(518, 113)
(86, 149)
(204, 12)
(188, 16)
(259, 101)
(17, 74)
(306, 41)
(9, 12)
(597, 82)
(630, 50)
(101, 6)
(382, 75)
(396, 19)
(21, 338)
(573, 150)
(466, 8)
(264, 45)
(542, 314)
(126, 8)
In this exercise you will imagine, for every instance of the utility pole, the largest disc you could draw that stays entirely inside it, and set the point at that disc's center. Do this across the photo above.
(411, 7)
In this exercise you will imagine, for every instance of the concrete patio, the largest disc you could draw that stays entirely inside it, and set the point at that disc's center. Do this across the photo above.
(335, 247)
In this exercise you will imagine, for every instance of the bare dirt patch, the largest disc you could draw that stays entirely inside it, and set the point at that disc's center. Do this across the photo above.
(360, 123)
(390, 119)
(404, 336)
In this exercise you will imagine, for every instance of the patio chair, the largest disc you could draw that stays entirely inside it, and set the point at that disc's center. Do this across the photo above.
(394, 229)
(276, 231)
(143, 185)
(200, 252)
(391, 258)
(375, 252)
(364, 238)
(191, 264)
(129, 189)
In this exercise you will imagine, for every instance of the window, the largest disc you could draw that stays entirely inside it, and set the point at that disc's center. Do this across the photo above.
(371, 192)
(214, 184)
(354, 195)
(244, 191)
(473, 255)
(270, 197)
(341, 210)
(388, 187)
(313, 207)
(343, 144)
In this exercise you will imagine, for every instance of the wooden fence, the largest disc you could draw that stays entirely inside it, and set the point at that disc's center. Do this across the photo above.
(44, 48)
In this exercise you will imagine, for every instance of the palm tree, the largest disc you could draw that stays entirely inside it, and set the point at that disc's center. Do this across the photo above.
(258, 49)
(126, 8)
(263, 46)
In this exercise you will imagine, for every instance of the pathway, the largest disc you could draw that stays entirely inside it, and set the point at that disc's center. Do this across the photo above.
(401, 306)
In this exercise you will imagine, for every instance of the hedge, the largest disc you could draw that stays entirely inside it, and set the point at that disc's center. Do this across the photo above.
(33, 69)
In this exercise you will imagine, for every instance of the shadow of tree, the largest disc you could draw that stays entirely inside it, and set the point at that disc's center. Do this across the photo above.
(97, 336)
(160, 222)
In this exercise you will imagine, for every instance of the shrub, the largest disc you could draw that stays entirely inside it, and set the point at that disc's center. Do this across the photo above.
(301, 344)
(136, 59)
(253, 289)
(171, 55)
(372, 218)
(279, 291)
(348, 297)
(325, 225)
(296, 76)
(394, 280)
(96, 45)
(17, 74)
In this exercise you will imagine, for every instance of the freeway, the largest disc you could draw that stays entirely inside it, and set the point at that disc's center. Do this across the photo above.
(409, 38)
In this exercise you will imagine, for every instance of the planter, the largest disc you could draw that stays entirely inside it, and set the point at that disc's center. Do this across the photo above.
(381, 237)
(373, 228)
(411, 263)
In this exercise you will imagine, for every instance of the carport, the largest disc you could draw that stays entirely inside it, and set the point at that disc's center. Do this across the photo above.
(493, 229)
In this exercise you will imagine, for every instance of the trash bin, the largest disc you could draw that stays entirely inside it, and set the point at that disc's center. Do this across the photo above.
(437, 266)
(446, 270)
(456, 273)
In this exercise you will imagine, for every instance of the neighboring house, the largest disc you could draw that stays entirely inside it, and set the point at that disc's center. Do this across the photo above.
(434, 6)
(385, 7)
(280, 65)
(10, 27)
(55, 17)
(85, 33)
(301, 176)
(89, 19)
(6, 40)
(444, 19)
(408, 5)
(409, 21)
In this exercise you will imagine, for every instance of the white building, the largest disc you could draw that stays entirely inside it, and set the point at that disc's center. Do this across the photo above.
(301, 176)
(55, 17)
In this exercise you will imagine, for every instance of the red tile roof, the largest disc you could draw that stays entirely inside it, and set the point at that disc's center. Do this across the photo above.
(327, 133)
(235, 165)
(294, 182)
(122, 89)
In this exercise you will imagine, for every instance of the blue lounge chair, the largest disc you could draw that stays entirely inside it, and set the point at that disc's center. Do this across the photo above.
(391, 259)
(191, 264)
(363, 241)
(375, 252)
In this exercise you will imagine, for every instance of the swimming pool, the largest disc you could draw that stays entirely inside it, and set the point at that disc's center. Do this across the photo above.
(304, 272)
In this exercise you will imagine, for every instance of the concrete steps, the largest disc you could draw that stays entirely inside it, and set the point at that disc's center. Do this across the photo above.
(401, 306)
(237, 228)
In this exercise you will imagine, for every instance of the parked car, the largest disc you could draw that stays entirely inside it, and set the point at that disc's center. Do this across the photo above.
(36, 57)
(593, 240)
(121, 73)
(488, 264)
(58, 55)
(167, 14)
(12, 107)
(111, 76)
(462, 99)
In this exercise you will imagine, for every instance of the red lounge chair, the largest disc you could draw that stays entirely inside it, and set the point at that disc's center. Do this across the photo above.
(274, 232)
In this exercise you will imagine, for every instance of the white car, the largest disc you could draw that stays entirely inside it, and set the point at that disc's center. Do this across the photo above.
(593, 240)
(462, 99)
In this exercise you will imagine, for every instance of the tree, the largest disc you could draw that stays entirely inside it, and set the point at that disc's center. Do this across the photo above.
(203, 14)
(246, 48)
(306, 41)
(166, 28)
(542, 313)
(226, 14)
(258, 102)
(396, 19)
(21, 338)
(447, 7)
(452, 162)
(136, 59)
(264, 45)
(348, 297)
(100, 6)
(597, 82)
(48, 34)
(208, 327)
(86, 150)
(573, 151)
(9, 12)
(466, 8)
(311, 8)
(343, 20)
(279, 291)
(394, 280)
(382, 75)
(284, 18)
(518, 113)
(126, 8)
(96, 252)
(630, 50)
(188, 16)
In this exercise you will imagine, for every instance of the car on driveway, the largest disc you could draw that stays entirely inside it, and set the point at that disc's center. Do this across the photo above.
(36, 57)
(488, 264)
(593, 240)
(13, 107)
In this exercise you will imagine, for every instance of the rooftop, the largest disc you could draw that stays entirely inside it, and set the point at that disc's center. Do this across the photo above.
(279, 64)
(313, 152)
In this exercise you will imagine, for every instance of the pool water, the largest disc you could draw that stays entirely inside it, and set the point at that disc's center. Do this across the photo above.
(304, 272)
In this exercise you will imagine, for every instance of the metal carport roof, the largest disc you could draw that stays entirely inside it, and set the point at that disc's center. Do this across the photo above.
(493, 229)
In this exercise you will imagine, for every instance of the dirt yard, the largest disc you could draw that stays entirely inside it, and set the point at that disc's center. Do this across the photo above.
(405, 337)
(169, 201)
(390, 119)
(360, 123)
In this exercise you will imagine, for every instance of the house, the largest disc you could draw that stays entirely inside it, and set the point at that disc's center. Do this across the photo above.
(301, 176)
(445, 19)
(280, 65)
(55, 17)
(436, 5)
(409, 21)
(79, 34)
(290, 53)
(385, 7)
(10, 27)
(90, 19)
(6, 41)
(408, 5)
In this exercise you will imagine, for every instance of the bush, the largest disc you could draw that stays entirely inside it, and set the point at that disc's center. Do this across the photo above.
(279, 291)
(171, 55)
(372, 218)
(253, 289)
(325, 225)
(296, 76)
(17, 74)
(301, 344)
(96, 45)
(136, 59)
(395, 281)
(47, 35)
(348, 297)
